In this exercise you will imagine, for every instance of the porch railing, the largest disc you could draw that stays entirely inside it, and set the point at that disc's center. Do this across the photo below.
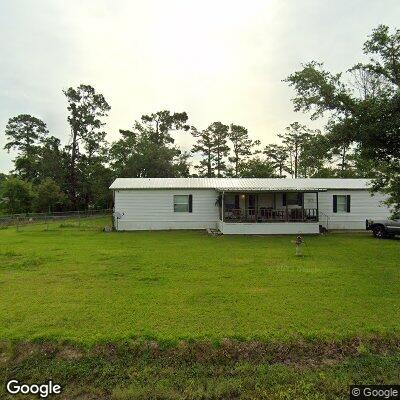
(271, 215)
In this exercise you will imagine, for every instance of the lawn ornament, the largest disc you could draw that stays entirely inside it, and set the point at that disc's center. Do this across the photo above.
(298, 243)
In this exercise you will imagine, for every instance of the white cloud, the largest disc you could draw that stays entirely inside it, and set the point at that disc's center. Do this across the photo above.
(217, 60)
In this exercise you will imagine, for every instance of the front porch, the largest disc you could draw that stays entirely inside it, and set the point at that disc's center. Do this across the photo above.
(266, 213)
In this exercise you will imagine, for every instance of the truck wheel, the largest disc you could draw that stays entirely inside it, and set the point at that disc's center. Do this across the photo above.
(379, 231)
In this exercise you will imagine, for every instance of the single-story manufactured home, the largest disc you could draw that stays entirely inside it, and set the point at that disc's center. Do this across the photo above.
(245, 205)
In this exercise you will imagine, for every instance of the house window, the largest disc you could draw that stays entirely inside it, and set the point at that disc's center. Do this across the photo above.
(183, 203)
(292, 199)
(341, 203)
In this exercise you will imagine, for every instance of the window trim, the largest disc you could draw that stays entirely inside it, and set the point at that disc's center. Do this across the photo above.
(188, 203)
(347, 204)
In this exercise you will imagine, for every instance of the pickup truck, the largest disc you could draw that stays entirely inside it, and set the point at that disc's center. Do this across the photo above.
(383, 228)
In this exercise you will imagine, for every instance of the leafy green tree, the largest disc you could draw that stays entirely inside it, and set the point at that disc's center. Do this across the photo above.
(242, 146)
(24, 133)
(87, 109)
(278, 156)
(159, 125)
(367, 110)
(257, 168)
(148, 150)
(93, 170)
(49, 196)
(219, 133)
(204, 146)
(95, 182)
(314, 156)
(182, 165)
(341, 148)
(294, 139)
(213, 147)
(363, 167)
(16, 195)
(122, 154)
(52, 162)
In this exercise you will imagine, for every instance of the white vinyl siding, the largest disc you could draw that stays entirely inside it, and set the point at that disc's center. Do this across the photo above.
(148, 209)
(270, 228)
(363, 206)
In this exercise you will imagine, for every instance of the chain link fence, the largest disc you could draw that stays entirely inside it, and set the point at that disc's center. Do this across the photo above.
(88, 219)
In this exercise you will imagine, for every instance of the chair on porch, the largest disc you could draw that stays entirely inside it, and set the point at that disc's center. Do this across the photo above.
(236, 214)
(251, 215)
(296, 214)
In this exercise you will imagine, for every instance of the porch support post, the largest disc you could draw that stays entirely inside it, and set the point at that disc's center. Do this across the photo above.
(246, 210)
(222, 206)
(317, 207)
(256, 210)
(287, 210)
(302, 207)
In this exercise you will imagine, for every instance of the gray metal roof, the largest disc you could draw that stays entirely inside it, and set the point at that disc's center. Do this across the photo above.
(238, 184)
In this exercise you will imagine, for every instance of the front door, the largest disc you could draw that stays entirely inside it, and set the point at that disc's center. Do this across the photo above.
(251, 205)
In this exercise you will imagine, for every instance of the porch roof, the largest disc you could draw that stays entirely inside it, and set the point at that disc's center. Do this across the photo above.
(242, 184)
(271, 190)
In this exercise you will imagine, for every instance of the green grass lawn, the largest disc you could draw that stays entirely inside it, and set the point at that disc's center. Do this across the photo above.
(106, 315)
(83, 285)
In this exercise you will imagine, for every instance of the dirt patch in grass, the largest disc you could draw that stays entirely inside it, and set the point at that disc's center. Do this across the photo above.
(70, 353)
(150, 279)
(298, 353)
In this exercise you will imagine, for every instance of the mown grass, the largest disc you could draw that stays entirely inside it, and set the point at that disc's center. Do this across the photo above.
(85, 286)
(200, 371)
(181, 315)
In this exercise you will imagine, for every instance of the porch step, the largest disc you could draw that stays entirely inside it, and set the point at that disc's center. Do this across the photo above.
(214, 232)
(322, 229)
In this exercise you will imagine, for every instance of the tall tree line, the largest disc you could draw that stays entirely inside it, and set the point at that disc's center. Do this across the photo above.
(363, 110)
(361, 139)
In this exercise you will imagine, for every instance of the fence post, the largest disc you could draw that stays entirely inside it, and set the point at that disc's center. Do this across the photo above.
(17, 222)
(79, 219)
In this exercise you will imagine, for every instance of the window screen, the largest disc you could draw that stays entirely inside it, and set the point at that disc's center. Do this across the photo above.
(341, 203)
(294, 199)
(181, 203)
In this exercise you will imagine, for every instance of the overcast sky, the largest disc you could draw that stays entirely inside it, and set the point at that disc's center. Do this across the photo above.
(218, 60)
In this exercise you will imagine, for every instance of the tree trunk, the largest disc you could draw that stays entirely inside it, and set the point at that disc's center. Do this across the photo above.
(291, 164)
(209, 165)
(73, 180)
(343, 158)
(218, 165)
